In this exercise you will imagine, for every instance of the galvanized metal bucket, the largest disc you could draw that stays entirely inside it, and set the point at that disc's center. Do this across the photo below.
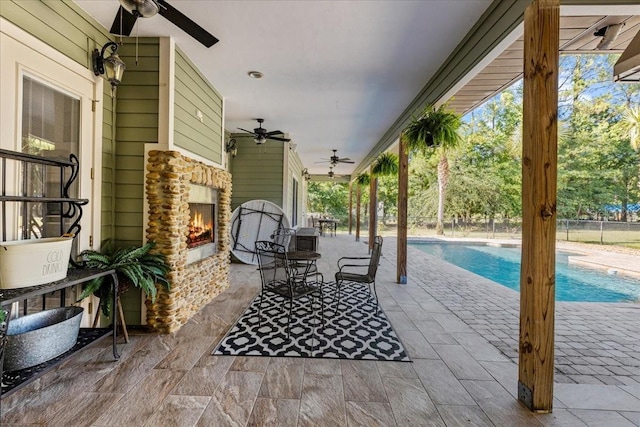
(39, 337)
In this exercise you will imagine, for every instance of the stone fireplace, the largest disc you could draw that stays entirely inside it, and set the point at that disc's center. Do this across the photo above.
(189, 219)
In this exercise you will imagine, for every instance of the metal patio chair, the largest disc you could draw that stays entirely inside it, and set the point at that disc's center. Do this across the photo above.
(355, 270)
(280, 278)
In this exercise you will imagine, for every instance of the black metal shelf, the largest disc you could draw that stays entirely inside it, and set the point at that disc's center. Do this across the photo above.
(30, 199)
(75, 276)
(32, 158)
(13, 381)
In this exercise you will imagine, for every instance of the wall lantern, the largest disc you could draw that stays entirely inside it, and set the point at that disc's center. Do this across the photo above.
(231, 147)
(112, 67)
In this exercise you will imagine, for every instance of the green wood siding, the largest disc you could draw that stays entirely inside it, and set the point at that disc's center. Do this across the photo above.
(194, 93)
(137, 124)
(107, 214)
(295, 172)
(258, 171)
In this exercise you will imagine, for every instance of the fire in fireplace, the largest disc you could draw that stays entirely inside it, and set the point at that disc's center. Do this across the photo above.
(201, 224)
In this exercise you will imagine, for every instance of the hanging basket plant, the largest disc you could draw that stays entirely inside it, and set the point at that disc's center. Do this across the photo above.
(435, 127)
(363, 179)
(386, 164)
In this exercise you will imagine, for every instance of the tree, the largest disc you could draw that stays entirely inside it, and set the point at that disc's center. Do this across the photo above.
(436, 128)
(329, 198)
(598, 165)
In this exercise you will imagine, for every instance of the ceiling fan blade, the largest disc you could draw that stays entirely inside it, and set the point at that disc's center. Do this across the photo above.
(346, 161)
(181, 21)
(128, 21)
(275, 132)
(275, 138)
(248, 131)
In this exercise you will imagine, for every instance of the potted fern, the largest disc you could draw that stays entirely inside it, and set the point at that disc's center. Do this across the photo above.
(135, 266)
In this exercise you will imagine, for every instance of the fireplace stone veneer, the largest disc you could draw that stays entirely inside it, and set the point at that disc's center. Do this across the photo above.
(169, 175)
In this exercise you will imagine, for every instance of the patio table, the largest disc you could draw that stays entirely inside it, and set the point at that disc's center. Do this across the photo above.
(308, 258)
(331, 223)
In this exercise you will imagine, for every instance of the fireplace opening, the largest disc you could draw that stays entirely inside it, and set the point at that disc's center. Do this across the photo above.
(201, 224)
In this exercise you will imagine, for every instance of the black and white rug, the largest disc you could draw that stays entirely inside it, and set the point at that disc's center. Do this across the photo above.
(353, 328)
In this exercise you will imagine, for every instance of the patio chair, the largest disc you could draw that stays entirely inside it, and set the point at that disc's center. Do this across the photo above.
(352, 270)
(278, 277)
(316, 224)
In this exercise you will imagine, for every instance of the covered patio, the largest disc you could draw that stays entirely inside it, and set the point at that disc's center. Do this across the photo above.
(459, 329)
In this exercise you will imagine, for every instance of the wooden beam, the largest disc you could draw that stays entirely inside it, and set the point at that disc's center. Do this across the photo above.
(403, 185)
(539, 184)
(358, 202)
(350, 206)
(373, 208)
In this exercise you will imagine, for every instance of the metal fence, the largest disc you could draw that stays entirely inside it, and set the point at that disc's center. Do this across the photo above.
(603, 232)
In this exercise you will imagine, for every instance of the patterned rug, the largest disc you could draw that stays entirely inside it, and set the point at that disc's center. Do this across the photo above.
(353, 328)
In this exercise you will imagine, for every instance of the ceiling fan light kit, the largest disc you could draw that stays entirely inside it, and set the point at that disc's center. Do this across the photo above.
(131, 10)
(141, 8)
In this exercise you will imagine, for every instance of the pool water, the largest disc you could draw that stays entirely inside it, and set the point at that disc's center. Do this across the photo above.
(502, 265)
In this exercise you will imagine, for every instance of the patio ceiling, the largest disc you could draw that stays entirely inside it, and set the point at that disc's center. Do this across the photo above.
(345, 74)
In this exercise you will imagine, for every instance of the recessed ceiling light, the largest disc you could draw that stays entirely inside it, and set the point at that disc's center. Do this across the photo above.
(255, 74)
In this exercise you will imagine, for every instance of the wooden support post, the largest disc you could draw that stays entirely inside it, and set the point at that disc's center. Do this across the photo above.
(403, 185)
(358, 202)
(539, 183)
(350, 206)
(373, 208)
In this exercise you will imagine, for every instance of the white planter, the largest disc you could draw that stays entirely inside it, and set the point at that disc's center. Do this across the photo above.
(34, 262)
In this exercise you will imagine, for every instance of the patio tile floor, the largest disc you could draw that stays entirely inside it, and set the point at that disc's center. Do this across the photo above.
(460, 330)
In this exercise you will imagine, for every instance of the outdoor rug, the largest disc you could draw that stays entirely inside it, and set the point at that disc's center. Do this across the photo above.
(354, 328)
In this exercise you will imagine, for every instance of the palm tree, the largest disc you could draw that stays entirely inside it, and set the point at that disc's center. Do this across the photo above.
(631, 123)
(436, 129)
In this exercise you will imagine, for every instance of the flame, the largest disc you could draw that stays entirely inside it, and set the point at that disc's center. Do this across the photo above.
(199, 230)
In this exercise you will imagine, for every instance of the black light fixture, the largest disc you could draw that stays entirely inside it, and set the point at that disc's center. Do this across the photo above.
(609, 35)
(305, 174)
(231, 147)
(112, 67)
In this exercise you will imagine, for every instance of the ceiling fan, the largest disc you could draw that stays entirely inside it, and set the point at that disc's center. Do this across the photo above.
(332, 174)
(260, 134)
(131, 10)
(335, 159)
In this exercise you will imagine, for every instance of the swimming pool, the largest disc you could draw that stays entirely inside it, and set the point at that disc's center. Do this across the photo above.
(502, 265)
